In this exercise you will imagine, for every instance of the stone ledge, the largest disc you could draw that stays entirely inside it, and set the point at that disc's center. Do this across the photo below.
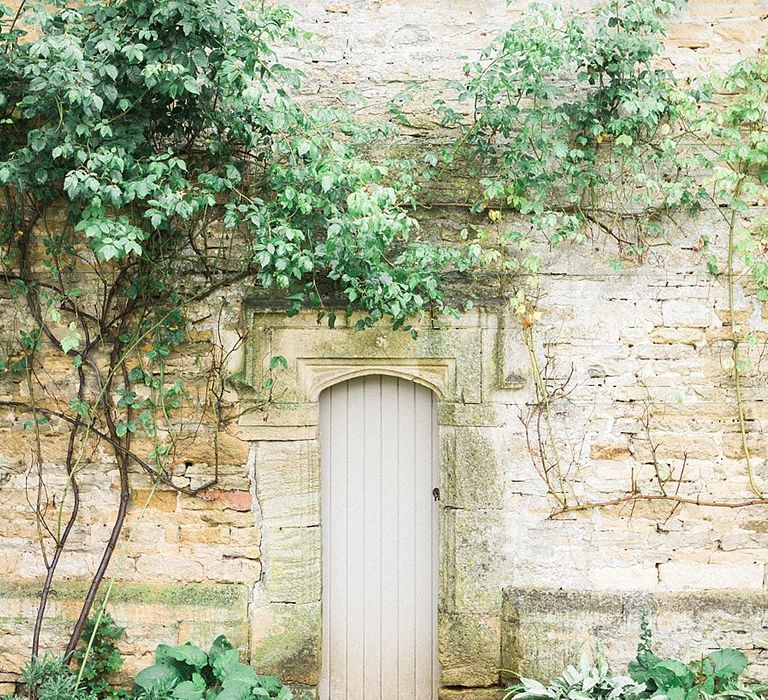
(543, 630)
(184, 594)
(471, 693)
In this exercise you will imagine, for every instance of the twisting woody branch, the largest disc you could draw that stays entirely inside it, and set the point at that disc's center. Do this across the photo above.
(154, 159)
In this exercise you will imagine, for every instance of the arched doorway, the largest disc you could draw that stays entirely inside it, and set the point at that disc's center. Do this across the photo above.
(379, 466)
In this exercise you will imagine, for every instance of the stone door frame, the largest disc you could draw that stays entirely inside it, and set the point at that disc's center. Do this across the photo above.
(285, 611)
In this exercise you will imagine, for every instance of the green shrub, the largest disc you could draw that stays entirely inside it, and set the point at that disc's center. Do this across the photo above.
(716, 675)
(186, 672)
(583, 682)
(103, 660)
(52, 679)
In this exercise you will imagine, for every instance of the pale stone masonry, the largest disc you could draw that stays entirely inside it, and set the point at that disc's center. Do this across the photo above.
(645, 349)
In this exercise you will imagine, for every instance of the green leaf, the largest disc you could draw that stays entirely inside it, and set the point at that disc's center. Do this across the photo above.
(188, 690)
(72, 339)
(240, 674)
(226, 661)
(303, 147)
(728, 662)
(186, 653)
(159, 675)
(236, 691)
(220, 645)
(190, 85)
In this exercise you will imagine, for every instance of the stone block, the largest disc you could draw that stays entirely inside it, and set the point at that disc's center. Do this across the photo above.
(471, 414)
(472, 555)
(233, 568)
(204, 534)
(287, 476)
(285, 641)
(202, 632)
(203, 449)
(678, 336)
(292, 564)
(609, 450)
(689, 35)
(472, 469)
(214, 499)
(682, 313)
(469, 649)
(543, 630)
(696, 576)
(712, 10)
(471, 693)
(164, 501)
(312, 353)
(740, 32)
(631, 577)
(168, 567)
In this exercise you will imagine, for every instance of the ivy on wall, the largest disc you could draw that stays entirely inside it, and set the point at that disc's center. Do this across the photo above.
(577, 132)
(159, 152)
(152, 156)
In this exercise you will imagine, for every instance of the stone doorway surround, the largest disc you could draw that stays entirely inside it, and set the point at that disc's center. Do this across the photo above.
(456, 361)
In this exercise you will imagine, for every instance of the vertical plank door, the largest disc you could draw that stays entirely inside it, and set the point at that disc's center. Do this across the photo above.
(379, 464)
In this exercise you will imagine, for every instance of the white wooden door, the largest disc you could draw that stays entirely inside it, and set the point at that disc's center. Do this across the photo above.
(379, 464)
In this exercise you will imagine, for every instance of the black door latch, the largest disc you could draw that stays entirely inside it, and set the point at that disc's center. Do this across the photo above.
(436, 493)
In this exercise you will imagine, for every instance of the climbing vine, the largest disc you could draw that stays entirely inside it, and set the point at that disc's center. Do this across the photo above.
(153, 157)
(156, 162)
(577, 132)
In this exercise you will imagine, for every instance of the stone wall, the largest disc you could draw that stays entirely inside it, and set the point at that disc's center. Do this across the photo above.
(645, 349)
(546, 629)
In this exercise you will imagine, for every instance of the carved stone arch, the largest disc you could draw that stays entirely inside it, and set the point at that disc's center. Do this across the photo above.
(453, 361)
(317, 374)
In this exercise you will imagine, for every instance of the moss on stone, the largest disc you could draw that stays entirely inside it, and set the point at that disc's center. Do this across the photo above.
(184, 594)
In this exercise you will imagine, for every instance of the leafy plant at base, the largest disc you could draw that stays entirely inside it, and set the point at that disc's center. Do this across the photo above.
(103, 660)
(52, 679)
(717, 675)
(586, 682)
(186, 672)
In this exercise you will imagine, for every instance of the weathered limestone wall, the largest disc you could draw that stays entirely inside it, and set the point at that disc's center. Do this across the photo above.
(376, 48)
(648, 347)
(550, 628)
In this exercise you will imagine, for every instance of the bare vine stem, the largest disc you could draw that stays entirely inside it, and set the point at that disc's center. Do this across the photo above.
(669, 498)
(543, 398)
(736, 341)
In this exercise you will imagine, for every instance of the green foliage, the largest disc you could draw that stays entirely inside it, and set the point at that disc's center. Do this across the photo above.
(717, 675)
(158, 123)
(52, 679)
(186, 672)
(183, 672)
(586, 682)
(561, 154)
(104, 658)
(739, 163)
